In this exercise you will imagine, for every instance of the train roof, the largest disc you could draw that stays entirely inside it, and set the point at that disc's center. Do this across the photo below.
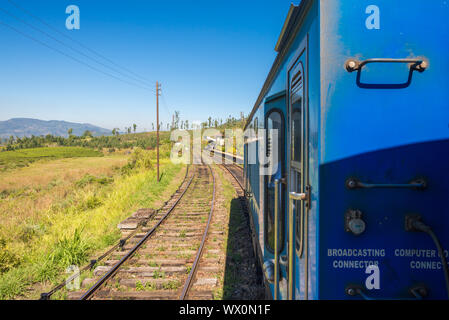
(295, 16)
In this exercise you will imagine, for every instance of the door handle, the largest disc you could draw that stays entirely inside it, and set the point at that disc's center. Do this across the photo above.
(298, 197)
(293, 196)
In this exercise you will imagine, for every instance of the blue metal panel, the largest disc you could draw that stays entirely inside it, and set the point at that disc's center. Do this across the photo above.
(384, 212)
(383, 135)
(357, 120)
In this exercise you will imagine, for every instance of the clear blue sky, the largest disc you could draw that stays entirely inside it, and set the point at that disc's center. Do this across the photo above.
(211, 57)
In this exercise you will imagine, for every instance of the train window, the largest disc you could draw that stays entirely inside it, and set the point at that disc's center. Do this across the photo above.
(296, 144)
(296, 129)
(256, 125)
(274, 120)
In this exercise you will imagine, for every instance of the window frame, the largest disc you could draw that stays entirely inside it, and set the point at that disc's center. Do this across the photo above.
(282, 186)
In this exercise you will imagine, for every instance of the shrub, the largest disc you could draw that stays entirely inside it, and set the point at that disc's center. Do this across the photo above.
(46, 270)
(140, 159)
(29, 231)
(92, 202)
(89, 179)
(8, 259)
(12, 284)
(70, 251)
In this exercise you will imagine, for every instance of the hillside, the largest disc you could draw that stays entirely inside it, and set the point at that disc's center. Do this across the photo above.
(25, 127)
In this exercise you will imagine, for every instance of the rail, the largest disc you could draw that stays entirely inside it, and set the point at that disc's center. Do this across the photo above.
(93, 262)
(191, 277)
(89, 293)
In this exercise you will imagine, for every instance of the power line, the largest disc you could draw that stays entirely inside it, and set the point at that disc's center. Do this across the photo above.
(70, 47)
(164, 103)
(71, 57)
(78, 42)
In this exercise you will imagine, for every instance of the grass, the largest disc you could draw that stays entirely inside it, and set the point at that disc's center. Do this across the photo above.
(172, 285)
(145, 287)
(48, 225)
(22, 158)
(158, 274)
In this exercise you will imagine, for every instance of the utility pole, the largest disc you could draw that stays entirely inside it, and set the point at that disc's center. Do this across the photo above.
(157, 126)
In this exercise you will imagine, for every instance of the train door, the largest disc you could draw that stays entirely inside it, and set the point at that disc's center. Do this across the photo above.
(274, 193)
(297, 222)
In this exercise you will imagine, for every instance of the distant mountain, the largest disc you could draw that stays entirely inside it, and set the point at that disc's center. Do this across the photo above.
(22, 127)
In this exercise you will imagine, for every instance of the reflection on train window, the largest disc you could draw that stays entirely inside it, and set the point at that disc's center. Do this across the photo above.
(296, 135)
(296, 97)
(274, 121)
(256, 125)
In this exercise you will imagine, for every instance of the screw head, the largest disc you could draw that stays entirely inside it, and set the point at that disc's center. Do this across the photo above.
(351, 183)
(351, 65)
(423, 65)
(357, 226)
(350, 291)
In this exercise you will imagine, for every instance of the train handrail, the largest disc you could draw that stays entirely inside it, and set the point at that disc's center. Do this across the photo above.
(293, 196)
(276, 238)
(419, 293)
(353, 183)
(419, 65)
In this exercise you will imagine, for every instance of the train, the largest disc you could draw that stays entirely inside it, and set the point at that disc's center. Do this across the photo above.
(358, 205)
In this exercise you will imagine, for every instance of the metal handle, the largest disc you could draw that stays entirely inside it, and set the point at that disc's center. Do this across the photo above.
(293, 196)
(352, 65)
(419, 293)
(356, 184)
(415, 64)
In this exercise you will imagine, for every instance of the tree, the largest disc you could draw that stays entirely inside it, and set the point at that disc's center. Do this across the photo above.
(87, 133)
(135, 127)
(152, 126)
(70, 131)
(209, 121)
(176, 119)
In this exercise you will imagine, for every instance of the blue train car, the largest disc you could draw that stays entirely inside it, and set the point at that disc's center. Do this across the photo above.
(359, 94)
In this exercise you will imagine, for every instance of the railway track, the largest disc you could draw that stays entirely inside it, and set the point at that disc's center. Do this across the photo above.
(162, 261)
(237, 182)
(237, 173)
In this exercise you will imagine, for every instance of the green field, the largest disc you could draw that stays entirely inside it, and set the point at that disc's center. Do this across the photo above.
(23, 157)
(65, 211)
